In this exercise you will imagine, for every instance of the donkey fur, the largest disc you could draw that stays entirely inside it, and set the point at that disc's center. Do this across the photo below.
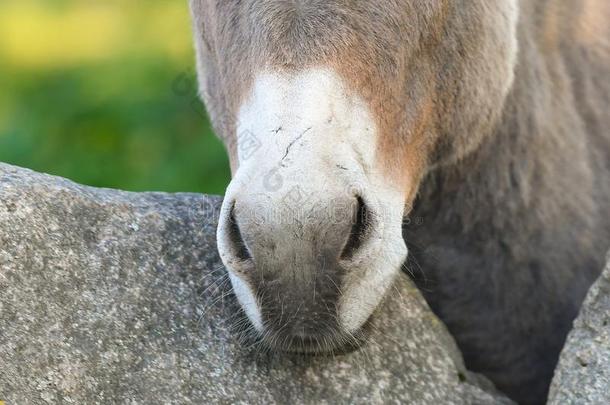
(499, 134)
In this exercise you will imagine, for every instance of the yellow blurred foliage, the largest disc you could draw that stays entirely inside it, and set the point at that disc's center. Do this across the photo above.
(34, 34)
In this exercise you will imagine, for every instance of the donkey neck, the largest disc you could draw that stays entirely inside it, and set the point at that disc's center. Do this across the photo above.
(528, 166)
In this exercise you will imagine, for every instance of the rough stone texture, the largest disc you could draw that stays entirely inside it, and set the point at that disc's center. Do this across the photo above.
(583, 373)
(115, 297)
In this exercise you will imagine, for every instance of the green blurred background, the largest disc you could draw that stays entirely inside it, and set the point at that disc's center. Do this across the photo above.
(104, 92)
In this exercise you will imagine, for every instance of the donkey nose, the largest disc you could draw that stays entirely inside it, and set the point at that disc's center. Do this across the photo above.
(277, 235)
(361, 224)
(288, 262)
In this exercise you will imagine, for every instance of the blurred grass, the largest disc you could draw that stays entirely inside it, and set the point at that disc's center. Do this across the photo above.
(104, 93)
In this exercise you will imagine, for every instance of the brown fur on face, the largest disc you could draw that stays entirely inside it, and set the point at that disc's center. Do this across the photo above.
(511, 177)
(416, 64)
(592, 25)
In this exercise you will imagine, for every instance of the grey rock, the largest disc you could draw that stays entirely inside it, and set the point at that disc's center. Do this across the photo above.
(116, 297)
(583, 373)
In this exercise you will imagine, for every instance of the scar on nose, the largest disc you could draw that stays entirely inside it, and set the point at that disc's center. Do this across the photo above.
(291, 144)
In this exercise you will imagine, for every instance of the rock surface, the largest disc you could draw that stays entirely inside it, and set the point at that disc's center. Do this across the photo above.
(583, 373)
(115, 297)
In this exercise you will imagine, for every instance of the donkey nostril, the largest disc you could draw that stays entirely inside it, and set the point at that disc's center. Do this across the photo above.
(359, 231)
(236, 238)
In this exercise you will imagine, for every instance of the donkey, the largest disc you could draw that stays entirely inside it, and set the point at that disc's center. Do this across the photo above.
(488, 120)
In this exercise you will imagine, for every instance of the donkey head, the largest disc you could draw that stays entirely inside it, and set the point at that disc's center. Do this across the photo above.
(332, 112)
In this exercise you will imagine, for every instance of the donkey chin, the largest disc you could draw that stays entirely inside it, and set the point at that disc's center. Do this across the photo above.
(310, 229)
